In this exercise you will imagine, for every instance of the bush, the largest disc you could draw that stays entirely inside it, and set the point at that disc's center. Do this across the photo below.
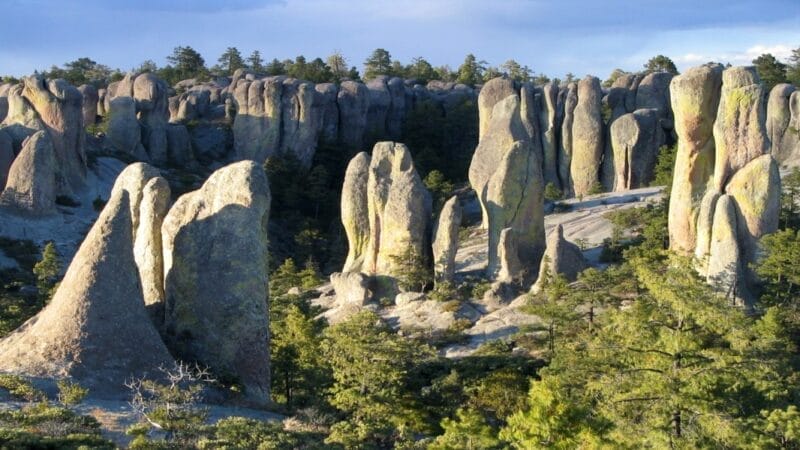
(552, 193)
(70, 393)
(20, 388)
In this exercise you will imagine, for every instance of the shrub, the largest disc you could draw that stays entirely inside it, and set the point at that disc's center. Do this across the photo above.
(70, 393)
(20, 388)
(552, 193)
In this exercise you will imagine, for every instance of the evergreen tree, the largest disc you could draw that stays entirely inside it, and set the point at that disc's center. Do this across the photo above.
(471, 71)
(421, 70)
(338, 65)
(378, 63)
(616, 73)
(255, 62)
(516, 71)
(793, 67)
(660, 63)
(187, 63)
(468, 431)
(770, 70)
(369, 363)
(275, 67)
(230, 61)
(47, 271)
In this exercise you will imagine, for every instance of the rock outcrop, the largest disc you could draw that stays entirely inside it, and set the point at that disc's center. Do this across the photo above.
(729, 210)
(695, 100)
(149, 196)
(587, 137)
(6, 157)
(635, 141)
(353, 102)
(150, 94)
(215, 264)
(89, 104)
(355, 216)
(351, 288)
(492, 93)
(783, 124)
(95, 329)
(399, 208)
(561, 258)
(124, 134)
(445, 241)
(31, 185)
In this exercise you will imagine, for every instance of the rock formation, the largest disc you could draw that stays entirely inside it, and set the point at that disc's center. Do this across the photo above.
(549, 126)
(215, 265)
(123, 133)
(509, 267)
(561, 258)
(492, 93)
(31, 184)
(783, 124)
(353, 102)
(95, 329)
(179, 145)
(729, 209)
(6, 157)
(445, 241)
(150, 94)
(148, 195)
(351, 288)
(695, 100)
(399, 208)
(635, 141)
(56, 107)
(89, 104)
(355, 216)
(587, 137)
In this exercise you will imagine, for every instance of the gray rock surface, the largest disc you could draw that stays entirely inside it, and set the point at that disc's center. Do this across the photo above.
(355, 216)
(31, 184)
(353, 101)
(782, 124)
(6, 157)
(215, 261)
(561, 258)
(89, 104)
(351, 288)
(123, 133)
(95, 330)
(587, 137)
(695, 98)
(445, 241)
(151, 98)
(635, 141)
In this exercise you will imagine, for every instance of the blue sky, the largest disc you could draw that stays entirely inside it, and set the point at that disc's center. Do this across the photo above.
(551, 37)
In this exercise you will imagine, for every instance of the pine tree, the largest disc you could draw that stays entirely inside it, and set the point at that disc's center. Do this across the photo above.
(661, 63)
(471, 71)
(230, 61)
(47, 271)
(378, 63)
(770, 70)
(255, 62)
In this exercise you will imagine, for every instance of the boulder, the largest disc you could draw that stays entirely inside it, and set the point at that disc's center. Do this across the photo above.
(353, 101)
(152, 105)
(123, 133)
(215, 264)
(95, 329)
(445, 241)
(101, 102)
(399, 208)
(493, 92)
(635, 141)
(355, 216)
(695, 97)
(724, 260)
(89, 104)
(781, 128)
(705, 224)
(505, 128)
(31, 184)
(509, 267)
(587, 137)
(515, 199)
(22, 120)
(4, 88)
(396, 116)
(149, 196)
(6, 157)
(561, 258)
(653, 93)
(351, 288)
(756, 188)
(740, 133)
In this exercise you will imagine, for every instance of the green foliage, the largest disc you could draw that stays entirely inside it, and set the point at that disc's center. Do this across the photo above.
(471, 71)
(515, 71)
(770, 70)
(378, 63)
(468, 431)
(369, 364)
(661, 63)
(20, 388)
(299, 373)
(412, 270)
(793, 67)
(41, 426)
(255, 62)
(552, 193)
(230, 61)
(556, 308)
(664, 167)
(596, 188)
(790, 199)
(244, 433)
(184, 63)
(71, 393)
(440, 188)
(81, 71)
(616, 73)
(47, 271)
